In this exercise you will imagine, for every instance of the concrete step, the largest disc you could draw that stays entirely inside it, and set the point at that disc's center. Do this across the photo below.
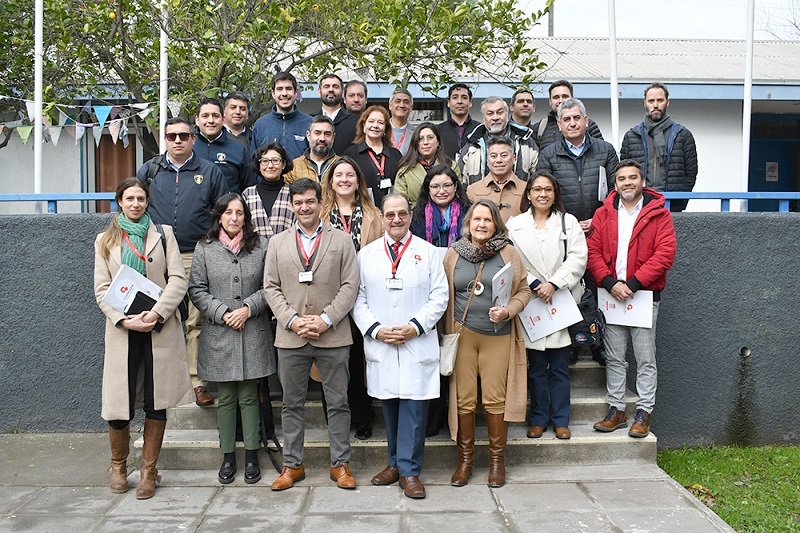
(198, 449)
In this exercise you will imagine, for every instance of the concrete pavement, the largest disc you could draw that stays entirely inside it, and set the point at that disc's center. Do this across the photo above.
(58, 482)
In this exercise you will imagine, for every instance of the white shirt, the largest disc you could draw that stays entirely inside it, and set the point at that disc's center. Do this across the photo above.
(624, 231)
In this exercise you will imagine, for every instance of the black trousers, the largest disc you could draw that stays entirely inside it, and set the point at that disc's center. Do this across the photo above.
(140, 353)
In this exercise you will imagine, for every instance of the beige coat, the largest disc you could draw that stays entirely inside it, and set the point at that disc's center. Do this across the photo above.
(507, 198)
(333, 289)
(172, 385)
(517, 384)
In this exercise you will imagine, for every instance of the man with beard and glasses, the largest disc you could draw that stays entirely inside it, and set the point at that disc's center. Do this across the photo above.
(631, 247)
(344, 123)
(665, 149)
(474, 161)
(319, 155)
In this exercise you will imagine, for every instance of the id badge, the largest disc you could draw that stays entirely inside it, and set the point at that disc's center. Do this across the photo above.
(394, 283)
(306, 277)
(386, 183)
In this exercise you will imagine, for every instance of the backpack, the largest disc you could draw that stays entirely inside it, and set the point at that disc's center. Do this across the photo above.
(592, 327)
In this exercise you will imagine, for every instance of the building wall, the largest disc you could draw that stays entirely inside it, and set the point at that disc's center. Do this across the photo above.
(729, 293)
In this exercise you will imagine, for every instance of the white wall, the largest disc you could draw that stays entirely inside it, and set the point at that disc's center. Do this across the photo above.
(61, 172)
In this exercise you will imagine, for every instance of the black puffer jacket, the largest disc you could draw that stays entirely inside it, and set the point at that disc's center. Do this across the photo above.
(579, 177)
(552, 134)
(681, 160)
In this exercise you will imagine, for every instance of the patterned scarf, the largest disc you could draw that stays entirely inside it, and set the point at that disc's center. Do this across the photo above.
(234, 244)
(476, 254)
(435, 221)
(355, 223)
(136, 232)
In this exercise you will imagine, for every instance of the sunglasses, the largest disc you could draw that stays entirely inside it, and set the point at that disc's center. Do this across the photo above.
(184, 136)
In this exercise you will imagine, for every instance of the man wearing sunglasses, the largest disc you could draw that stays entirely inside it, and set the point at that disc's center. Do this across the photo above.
(183, 189)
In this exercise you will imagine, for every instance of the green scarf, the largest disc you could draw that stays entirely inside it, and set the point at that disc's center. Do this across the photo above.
(136, 233)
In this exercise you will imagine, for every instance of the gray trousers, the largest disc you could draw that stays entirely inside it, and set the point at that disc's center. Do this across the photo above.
(644, 349)
(294, 366)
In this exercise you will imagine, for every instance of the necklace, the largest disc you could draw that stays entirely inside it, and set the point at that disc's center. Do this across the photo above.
(477, 284)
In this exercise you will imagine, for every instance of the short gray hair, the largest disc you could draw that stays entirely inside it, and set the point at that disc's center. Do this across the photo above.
(493, 100)
(569, 103)
(400, 90)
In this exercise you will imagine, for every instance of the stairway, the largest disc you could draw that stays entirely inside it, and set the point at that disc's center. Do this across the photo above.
(191, 439)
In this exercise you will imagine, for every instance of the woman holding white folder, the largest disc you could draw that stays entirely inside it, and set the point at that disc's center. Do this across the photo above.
(143, 367)
(490, 347)
(553, 250)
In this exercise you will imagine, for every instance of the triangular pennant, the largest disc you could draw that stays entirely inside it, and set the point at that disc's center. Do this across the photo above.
(97, 131)
(114, 113)
(31, 106)
(142, 105)
(80, 129)
(87, 108)
(45, 133)
(102, 112)
(175, 107)
(123, 134)
(24, 132)
(13, 124)
(55, 133)
(63, 119)
(113, 128)
(71, 131)
(143, 114)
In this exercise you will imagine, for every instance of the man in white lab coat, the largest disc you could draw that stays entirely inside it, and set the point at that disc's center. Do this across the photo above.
(402, 295)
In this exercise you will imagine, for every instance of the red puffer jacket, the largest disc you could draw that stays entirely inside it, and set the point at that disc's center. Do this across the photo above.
(652, 247)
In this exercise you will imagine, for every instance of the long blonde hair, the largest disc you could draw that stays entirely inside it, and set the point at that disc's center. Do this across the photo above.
(112, 236)
(362, 192)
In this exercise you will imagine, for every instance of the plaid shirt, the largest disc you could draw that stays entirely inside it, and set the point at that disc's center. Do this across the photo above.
(279, 219)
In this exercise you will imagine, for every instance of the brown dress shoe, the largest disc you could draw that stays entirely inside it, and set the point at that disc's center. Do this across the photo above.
(387, 476)
(341, 475)
(412, 487)
(203, 398)
(288, 477)
(641, 424)
(563, 433)
(614, 419)
(534, 432)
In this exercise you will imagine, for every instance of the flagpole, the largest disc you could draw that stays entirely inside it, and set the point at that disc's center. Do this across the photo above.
(164, 86)
(37, 115)
(614, 82)
(747, 101)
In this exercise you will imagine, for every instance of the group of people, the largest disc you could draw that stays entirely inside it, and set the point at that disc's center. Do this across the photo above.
(360, 260)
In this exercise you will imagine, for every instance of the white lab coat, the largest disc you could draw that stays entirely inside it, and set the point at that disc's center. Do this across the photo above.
(411, 370)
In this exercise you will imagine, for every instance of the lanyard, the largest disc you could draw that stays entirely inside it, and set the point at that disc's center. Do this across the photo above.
(345, 224)
(380, 166)
(137, 252)
(307, 258)
(402, 138)
(396, 262)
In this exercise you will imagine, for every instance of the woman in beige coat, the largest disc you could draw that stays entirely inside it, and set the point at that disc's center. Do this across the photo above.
(490, 348)
(145, 361)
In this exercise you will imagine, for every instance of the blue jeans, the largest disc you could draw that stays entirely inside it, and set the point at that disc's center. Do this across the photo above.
(548, 383)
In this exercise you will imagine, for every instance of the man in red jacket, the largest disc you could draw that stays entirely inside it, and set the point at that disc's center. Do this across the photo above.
(631, 246)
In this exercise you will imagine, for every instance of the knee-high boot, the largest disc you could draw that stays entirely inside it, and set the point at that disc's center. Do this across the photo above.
(498, 433)
(153, 437)
(120, 440)
(465, 439)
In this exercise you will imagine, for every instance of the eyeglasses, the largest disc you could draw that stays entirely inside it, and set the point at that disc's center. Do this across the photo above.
(266, 161)
(540, 190)
(402, 215)
(183, 136)
(435, 187)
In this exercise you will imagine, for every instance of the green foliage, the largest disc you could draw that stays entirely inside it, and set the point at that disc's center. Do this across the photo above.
(754, 489)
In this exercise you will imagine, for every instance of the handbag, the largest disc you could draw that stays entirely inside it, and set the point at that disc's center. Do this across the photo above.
(448, 343)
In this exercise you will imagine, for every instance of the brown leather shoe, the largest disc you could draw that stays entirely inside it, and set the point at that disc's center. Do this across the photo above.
(412, 487)
(341, 475)
(203, 398)
(288, 477)
(387, 476)
(534, 432)
(563, 433)
(614, 419)
(641, 424)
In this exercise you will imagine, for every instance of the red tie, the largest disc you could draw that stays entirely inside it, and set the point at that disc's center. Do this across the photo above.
(396, 248)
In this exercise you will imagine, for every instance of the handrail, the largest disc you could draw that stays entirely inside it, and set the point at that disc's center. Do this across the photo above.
(52, 199)
(725, 198)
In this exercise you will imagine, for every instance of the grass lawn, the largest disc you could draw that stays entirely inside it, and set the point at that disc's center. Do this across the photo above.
(754, 489)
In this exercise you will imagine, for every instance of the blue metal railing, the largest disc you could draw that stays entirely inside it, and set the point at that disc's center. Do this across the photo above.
(725, 198)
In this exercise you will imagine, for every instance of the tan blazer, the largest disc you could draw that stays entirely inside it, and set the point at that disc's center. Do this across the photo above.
(507, 198)
(333, 290)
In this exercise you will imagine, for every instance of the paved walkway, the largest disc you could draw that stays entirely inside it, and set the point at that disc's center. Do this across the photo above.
(57, 482)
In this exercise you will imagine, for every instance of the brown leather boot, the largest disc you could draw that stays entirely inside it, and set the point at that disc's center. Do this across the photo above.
(498, 434)
(465, 439)
(153, 437)
(120, 440)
